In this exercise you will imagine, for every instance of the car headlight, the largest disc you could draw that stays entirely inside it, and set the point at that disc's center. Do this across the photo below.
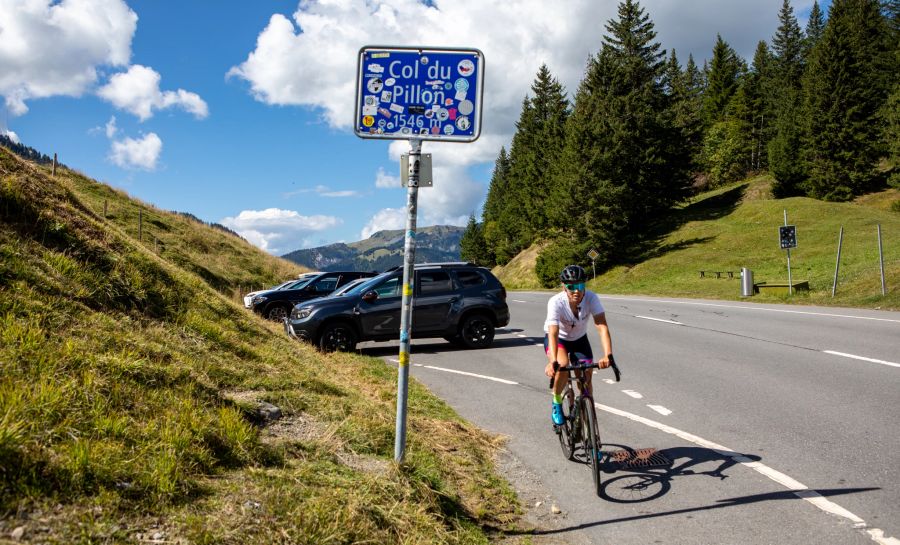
(301, 313)
(259, 299)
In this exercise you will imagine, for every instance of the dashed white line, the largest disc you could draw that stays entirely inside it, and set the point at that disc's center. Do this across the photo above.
(609, 381)
(495, 379)
(522, 336)
(605, 297)
(799, 489)
(518, 301)
(873, 360)
(660, 409)
(659, 320)
(632, 393)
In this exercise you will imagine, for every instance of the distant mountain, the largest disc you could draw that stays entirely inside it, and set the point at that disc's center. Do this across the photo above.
(382, 250)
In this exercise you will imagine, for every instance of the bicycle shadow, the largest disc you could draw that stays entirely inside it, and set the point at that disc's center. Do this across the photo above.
(641, 484)
(635, 485)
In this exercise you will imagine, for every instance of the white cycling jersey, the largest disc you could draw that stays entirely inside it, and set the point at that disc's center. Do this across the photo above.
(572, 327)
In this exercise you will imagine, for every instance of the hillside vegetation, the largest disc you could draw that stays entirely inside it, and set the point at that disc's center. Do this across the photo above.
(130, 386)
(737, 226)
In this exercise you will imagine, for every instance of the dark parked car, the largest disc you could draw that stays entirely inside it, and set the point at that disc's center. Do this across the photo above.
(276, 305)
(460, 302)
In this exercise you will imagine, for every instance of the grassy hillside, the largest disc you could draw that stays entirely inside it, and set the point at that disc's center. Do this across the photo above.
(737, 226)
(129, 387)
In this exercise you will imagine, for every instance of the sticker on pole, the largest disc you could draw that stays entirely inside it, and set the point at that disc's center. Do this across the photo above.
(423, 93)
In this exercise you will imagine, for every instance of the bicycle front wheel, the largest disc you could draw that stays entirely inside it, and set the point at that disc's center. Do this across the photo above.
(567, 432)
(591, 438)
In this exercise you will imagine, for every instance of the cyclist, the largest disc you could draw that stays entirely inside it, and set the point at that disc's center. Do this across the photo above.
(565, 330)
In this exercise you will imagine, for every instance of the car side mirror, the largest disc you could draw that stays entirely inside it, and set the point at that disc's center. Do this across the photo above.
(370, 296)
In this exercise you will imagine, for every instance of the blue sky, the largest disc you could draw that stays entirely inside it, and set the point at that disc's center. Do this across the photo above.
(240, 112)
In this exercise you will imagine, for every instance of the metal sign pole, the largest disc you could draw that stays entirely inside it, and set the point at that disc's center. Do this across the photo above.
(790, 282)
(409, 259)
(881, 259)
(837, 264)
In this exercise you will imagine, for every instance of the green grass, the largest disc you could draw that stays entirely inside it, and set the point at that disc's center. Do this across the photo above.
(128, 379)
(737, 226)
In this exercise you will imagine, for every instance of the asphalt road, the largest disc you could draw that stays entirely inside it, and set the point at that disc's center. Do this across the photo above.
(780, 423)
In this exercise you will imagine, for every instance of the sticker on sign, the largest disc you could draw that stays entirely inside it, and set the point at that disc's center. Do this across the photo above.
(427, 93)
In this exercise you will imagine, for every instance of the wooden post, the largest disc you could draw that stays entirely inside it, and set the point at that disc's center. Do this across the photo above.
(104, 209)
(140, 224)
(54, 164)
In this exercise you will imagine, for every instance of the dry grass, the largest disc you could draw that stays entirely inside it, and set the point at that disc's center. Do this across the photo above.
(118, 421)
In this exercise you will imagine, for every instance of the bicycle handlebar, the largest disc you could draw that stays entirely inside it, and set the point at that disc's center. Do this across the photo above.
(612, 365)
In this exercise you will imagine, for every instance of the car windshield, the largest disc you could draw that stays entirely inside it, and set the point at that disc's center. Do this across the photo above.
(347, 287)
(367, 285)
(297, 284)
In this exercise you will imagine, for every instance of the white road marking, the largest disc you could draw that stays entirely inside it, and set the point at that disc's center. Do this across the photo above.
(798, 488)
(873, 360)
(609, 381)
(605, 297)
(518, 301)
(660, 409)
(523, 336)
(632, 393)
(495, 379)
(659, 320)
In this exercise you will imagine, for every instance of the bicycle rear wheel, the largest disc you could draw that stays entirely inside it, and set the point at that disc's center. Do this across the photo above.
(591, 438)
(567, 432)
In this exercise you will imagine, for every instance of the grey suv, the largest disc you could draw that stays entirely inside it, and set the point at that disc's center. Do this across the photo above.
(460, 302)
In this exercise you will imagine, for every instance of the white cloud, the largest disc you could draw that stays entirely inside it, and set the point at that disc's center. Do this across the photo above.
(50, 48)
(111, 128)
(388, 218)
(279, 231)
(324, 191)
(11, 135)
(310, 60)
(137, 91)
(142, 153)
(383, 179)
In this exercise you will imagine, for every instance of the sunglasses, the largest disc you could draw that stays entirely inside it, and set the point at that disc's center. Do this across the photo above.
(575, 287)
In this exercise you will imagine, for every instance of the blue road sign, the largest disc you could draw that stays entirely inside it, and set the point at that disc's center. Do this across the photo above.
(424, 93)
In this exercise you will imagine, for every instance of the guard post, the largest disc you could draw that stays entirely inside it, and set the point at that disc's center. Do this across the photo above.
(416, 94)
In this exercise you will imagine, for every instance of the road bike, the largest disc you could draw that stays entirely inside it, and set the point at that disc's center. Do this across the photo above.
(579, 432)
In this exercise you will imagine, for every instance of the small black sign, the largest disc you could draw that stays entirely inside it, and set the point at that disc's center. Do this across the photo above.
(416, 110)
(787, 234)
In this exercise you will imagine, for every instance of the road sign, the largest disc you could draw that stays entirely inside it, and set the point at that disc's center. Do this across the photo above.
(425, 179)
(787, 234)
(423, 93)
(592, 254)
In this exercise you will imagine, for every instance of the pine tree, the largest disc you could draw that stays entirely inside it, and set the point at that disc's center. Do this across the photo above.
(496, 229)
(722, 81)
(815, 26)
(787, 45)
(784, 149)
(685, 94)
(620, 167)
(850, 76)
(757, 85)
(472, 246)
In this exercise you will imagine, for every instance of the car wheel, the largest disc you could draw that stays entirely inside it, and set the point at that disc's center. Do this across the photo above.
(477, 331)
(337, 337)
(277, 313)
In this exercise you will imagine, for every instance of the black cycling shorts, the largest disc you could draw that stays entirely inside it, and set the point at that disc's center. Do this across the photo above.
(580, 345)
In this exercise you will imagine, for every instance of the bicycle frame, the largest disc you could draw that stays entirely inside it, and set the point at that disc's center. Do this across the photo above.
(580, 417)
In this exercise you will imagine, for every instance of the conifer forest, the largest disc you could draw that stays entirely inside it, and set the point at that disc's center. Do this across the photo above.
(817, 108)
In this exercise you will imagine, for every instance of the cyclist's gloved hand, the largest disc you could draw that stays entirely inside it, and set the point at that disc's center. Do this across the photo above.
(551, 368)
